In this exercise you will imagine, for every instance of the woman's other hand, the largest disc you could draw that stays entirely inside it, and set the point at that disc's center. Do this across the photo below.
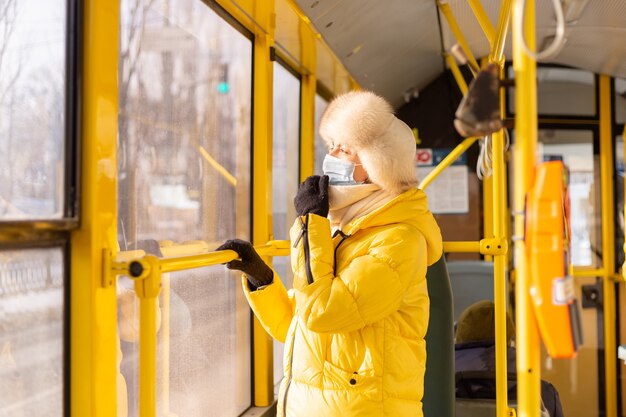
(250, 263)
(312, 196)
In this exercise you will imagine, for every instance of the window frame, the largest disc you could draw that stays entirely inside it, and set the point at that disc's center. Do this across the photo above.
(35, 230)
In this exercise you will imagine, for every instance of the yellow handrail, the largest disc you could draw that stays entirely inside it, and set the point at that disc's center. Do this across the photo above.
(497, 47)
(447, 161)
(148, 273)
(454, 26)
(483, 21)
(456, 72)
(579, 272)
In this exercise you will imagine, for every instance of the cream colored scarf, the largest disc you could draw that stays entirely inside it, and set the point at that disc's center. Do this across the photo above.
(348, 202)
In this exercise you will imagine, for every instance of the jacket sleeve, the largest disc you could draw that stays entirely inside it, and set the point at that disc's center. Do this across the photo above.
(272, 305)
(372, 286)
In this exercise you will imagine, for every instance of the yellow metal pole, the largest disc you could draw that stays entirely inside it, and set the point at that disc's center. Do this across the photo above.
(488, 210)
(500, 295)
(180, 263)
(588, 272)
(261, 185)
(483, 21)
(456, 72)
(485, 246)
(307, 100)
(497, 47)
(624, 246)
(528, 365)
(456, 30)
(165, 345)
(461, 247)
(147, 289)
(219, 168)
(447, 161)
(93, 328)
(498, 188)
(608, 246)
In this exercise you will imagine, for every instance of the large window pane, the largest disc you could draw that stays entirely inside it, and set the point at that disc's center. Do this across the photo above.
(31, 333)
(32, 103)
(561, 92)
(184, 124)
(203, 344)
(569, 376)
(285, 176)
(320, 147)
(575, 148)
(184, 174)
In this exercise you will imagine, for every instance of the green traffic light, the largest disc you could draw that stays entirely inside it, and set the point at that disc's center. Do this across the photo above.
(223, 87)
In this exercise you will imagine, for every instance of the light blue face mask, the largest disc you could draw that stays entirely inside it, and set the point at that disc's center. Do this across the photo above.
(339, 172)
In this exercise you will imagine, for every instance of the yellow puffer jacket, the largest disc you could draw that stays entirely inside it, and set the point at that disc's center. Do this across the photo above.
(355, 322)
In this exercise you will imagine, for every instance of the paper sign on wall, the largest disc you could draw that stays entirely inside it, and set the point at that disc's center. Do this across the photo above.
(449, 192)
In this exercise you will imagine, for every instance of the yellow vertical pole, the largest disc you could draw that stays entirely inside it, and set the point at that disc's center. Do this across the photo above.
(165, 345)
(500, 229)
(147, 290)
(500, 291)
(307, 101)
(261, 183)
(93, 327)
(488, 217)
(624, 248)
(608, 246)
(528, 369)
(488, 203)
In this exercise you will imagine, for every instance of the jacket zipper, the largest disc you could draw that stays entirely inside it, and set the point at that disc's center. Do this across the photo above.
(343, 238)
(304, 233)
(293, 343)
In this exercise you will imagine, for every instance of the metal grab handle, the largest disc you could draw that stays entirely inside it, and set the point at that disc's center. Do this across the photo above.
(139, 267)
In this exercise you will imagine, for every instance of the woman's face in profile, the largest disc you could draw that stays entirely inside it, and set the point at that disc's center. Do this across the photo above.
(347, 154)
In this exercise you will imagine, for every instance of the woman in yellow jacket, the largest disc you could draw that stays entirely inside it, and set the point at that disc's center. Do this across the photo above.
(355, 321)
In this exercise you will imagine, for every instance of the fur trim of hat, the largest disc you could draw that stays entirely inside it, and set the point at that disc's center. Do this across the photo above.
(385, 145)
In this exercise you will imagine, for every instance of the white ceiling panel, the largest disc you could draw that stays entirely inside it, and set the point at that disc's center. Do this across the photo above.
(395, 45)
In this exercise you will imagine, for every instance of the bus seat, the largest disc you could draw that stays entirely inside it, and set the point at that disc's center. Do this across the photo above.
(438, 398)
(473, 407)
(471, 281)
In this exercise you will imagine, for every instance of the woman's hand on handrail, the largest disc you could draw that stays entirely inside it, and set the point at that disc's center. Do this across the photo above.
(250, 263)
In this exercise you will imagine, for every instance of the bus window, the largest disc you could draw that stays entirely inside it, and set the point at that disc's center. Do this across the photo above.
(561, 92)
(184, 174)
(32, 109)
(285, 174)
(575, 148)
(320, 146)
(31, 325)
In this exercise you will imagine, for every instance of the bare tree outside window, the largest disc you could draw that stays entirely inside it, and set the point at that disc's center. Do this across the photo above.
(32, 98)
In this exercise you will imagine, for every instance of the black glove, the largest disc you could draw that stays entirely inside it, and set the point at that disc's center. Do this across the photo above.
(312, 196)
(251, 264)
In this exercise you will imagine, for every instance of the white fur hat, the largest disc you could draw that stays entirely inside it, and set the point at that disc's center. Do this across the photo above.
(385, 145)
